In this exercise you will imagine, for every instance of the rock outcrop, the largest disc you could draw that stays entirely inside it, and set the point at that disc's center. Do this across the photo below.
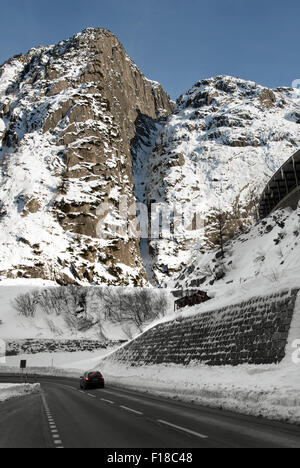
(84, 136)
(69, 116)
(218, 149)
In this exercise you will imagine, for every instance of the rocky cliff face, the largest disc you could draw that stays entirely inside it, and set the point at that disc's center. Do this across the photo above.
(83, 133)
(70, 118)
(225, 139)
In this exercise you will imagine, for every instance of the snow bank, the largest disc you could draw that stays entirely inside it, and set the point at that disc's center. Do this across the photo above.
(55, 364)
(8, 391)
(61, 360)
(36, 371)
(268, 391)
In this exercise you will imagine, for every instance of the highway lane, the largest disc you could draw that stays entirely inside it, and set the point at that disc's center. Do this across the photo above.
(64, 416)
(23, 424)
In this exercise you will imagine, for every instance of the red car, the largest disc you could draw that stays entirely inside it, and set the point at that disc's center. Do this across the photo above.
(92, 379)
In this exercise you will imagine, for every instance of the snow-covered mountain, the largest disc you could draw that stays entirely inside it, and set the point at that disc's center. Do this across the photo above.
(82, 129)
(69, 115)
(217, 150)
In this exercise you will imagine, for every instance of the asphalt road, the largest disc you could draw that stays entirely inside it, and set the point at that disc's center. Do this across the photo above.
(65, 417)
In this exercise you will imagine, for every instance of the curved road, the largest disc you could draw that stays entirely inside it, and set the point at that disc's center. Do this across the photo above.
(65, 417)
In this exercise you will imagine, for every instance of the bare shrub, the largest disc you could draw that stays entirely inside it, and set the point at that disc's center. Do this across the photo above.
(131, 308)
(25, 304)
(273, 276)
(216, 272)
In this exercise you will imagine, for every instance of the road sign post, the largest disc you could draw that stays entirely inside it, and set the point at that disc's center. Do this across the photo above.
(2, 351)
(23, 365)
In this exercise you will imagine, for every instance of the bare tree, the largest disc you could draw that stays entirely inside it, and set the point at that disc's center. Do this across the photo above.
(78, 295)
(131, 307)
(143, 305)
(217, 228)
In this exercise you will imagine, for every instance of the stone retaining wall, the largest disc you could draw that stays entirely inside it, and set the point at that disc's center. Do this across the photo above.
(255, 332)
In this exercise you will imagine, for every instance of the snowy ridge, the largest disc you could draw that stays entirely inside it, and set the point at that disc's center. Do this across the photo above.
(68, 156)
(65, 151)
(223, 142)
(38, 150)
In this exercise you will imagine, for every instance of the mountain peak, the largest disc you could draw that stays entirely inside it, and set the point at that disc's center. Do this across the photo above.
(225, 139)
(219, 86)
(69, 115)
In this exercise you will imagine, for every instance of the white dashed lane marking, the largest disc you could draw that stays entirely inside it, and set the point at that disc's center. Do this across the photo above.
(95, 396)
(160, 421)
(183, 429)
(108, 401)
(52, 426)
(131, 410)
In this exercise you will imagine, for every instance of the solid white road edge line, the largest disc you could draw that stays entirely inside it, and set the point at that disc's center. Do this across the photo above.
(184, 429)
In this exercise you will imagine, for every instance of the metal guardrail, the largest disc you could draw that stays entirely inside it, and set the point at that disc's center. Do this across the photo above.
(283, 184)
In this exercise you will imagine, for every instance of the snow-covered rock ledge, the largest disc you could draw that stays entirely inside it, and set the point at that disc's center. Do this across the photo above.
(8, 391)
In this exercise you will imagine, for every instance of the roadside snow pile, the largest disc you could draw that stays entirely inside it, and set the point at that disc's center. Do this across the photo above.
(8, 391)
(61, 360)
(269, 391)
(36, 371)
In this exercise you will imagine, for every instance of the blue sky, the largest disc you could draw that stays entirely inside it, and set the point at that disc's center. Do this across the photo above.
(173, 42)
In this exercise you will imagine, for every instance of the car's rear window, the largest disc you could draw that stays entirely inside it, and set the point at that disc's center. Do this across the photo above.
(94, 374)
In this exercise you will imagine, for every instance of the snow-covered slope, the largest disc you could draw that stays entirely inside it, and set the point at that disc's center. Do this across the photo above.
(68, 117)
(259, 262)
(264, 258)
(224, 140)
(82, 130)
(37, 309)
